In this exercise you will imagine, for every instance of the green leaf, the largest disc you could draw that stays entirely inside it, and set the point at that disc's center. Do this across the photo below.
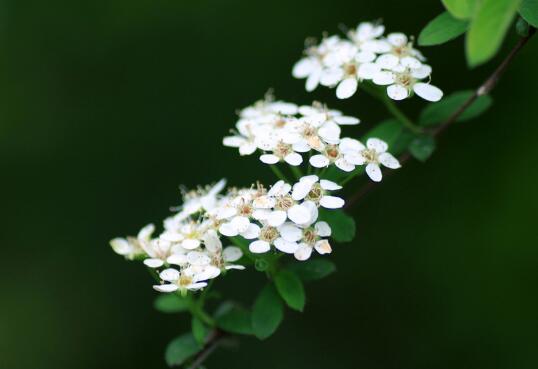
(199, 331)
(529, 11)
(171, 303)
(422, 147)
(441, 29)
(342, 225)
(440, 111)
(237, 320)
(462, 9)
(290, 287)
(488, 29)
(180, 349)
(313, 269)
(267, 313)
(388, 130)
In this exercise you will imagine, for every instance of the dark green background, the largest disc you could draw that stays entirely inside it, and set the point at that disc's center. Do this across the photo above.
(108, 105)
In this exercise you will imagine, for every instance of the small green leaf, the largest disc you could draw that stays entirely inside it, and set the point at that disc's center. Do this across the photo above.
(462, 9)
(388, 130)
(342, 225)
(199, 331)
(488, 29)
(440, 111)
(422, 147)
(237, 320)
(529, 11)
(267, 313)
(313, 269)
(291, 289)
(441, 29)
(171, 303)
(180, 349)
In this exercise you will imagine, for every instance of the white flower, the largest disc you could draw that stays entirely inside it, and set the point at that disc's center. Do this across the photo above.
(280, 237)
(365, 36)
(219, 257)
(374, 154)
(131, 247)
(312, 239)
(333, 154)
(403, 81)
(315, 190)
(399, 51)
(191, 278)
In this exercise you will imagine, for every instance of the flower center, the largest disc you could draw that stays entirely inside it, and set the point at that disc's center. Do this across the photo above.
(401, 51)
(284, 202)
(310, 236)
(280, 123)
(315, 193)
(370, 155)
(350, 69)
(282, 149)
(332, 152)
(268, 234)
(184, 281)
(405, 79)
(245, 210)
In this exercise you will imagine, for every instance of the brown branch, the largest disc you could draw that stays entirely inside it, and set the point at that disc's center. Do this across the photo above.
(213, 341)
(483, 89)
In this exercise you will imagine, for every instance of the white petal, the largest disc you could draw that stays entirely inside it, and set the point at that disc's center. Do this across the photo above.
(301, 189)
(383, 78)
(196, 286)
(368, 70)
(344, 165)
(365, 56)
(168, 287)
(410, 62)
(233, 141)
(428, 92)
(330, 132)
(247, 148)
(269, 159)
(172, 236)
(240, 223)
(331, 202)
(276, 218)
(323, 229)
(290, 232)
(302, 68)
(331, 77)
(346, 88)
(259, 247)
(329, 185)
(286, 246)
(190, 244)
(376, 144)
(389, 161)
(319, 161)
(280, 188)
(177, 259)
(354, 158)
(299, 214)
(345, 120)
(228, 230)
(252, 231)
(231, 254)
(397, 39)
(422, 72)
(212, 241)
(120, 246)
(236, 267)
(303, 252)
(293, 159)
(198, 258)
(387, 61)
(169, 275)
(374, 172)
(154, 263)
(350, 144)
(312, 81)
(397, 92)
(145, 233)
(323, 247)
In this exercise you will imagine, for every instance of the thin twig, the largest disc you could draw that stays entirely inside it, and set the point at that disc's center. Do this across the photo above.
(212, 343)
(483, 89)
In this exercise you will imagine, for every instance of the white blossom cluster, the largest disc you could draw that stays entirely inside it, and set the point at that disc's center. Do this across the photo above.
(189, 251)
(284, 132)
(367, 55)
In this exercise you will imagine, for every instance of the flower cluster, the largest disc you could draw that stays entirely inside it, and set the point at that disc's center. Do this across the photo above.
(189, 251)
(284, 132)
(366, 55)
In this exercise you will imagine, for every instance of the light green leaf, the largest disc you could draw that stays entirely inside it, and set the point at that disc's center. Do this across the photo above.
(313, 269)
(422, 147)
(488, 29)
(291, 289)
(529, 11)
(267, 313)
(440, 111)
(199, 331)
(342, 225)
(171, 303)
(236, 320)
(181, 349)
(462, 9)
(441, 29)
